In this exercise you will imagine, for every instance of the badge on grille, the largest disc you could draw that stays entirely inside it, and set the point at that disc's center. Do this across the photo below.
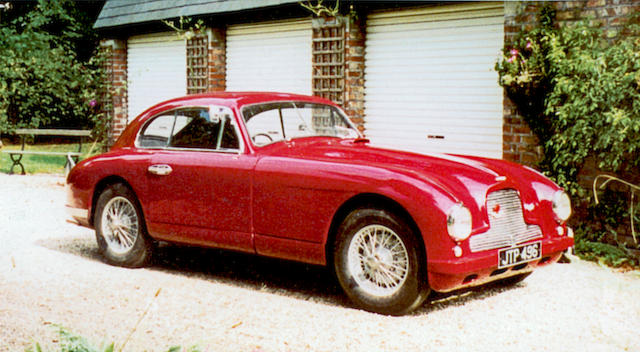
(496, 212)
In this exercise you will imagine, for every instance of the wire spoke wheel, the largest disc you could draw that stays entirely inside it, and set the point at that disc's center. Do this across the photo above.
(120, 225)
(378, 260)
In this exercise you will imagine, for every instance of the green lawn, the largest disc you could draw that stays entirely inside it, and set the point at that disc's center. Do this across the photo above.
(36, 164)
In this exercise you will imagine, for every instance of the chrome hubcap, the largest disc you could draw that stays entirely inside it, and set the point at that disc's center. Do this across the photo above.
(378, 260)
(119, 225)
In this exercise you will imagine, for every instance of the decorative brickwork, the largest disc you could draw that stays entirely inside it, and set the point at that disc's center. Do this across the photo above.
(115, 65)
(519, 143)
(328, 53)
(198, 64)
(217, 60)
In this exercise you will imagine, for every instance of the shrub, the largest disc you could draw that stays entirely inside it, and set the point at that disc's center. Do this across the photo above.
(43, 81)
(580, 94)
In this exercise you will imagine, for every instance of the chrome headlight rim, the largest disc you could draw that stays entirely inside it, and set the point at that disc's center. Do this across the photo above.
(459, 222)
(561, 205)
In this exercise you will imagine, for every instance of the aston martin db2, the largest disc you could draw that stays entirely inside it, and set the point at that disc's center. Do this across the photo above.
(289, 176)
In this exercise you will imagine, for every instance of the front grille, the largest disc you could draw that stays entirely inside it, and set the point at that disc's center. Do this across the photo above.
(506, 225)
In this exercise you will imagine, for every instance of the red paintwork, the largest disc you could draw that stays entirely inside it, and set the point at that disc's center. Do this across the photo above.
(280, 200)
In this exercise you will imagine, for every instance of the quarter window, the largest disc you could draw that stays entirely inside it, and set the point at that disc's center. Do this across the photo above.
(156, 133)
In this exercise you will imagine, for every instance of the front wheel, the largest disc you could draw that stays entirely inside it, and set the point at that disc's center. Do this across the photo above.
(379, 264)
(120, 230)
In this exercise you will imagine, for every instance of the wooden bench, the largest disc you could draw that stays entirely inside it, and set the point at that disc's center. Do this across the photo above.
(72, 157)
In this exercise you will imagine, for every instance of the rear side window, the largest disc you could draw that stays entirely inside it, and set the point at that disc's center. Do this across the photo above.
(194, 129)
(156, 134)
(191, 128)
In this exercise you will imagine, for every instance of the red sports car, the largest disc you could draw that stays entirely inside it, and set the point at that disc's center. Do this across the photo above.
(289, 176)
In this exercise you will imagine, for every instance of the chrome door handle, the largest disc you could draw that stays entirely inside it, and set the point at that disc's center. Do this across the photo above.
(160, 169)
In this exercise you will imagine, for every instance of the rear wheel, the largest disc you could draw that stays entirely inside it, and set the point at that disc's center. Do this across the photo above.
(378, 262)
(120, 230)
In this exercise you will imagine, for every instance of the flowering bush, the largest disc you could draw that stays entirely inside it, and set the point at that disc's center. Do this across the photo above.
(524, 72)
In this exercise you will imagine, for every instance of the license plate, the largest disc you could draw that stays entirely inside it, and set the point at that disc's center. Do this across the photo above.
(521, 254)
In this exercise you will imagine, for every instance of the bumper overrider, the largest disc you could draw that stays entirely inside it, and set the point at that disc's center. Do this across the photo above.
(78, 216)
(76, 212)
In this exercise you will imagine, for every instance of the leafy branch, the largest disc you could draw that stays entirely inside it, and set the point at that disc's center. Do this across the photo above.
(185, 27)
(320, 10)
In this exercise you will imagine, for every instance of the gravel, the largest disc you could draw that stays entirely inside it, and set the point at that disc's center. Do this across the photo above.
(52, 275)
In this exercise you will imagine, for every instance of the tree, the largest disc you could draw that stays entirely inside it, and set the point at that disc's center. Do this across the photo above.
(49, 76)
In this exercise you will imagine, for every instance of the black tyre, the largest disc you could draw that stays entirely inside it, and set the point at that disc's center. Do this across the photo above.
(379, 264)
(120, 230)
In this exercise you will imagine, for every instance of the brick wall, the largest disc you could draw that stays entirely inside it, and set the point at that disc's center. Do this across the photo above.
(217, 60)
(354, 71)
(519, 143)
(115, 65)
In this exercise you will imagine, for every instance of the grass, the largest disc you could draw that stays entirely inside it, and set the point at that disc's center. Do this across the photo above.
(47, 164)
(72, 342)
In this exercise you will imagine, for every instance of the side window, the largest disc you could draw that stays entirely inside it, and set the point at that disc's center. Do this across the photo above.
(195, 129)
(156, 133)
(229, 138)
(264, 125)
(192, 128)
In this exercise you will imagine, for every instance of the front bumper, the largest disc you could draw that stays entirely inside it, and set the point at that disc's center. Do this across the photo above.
(481, 268)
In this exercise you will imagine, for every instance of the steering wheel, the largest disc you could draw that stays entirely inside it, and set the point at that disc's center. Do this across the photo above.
(262, 135)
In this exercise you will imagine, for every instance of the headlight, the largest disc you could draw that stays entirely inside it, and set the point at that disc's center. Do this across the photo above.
(561, 206)
(459, 222)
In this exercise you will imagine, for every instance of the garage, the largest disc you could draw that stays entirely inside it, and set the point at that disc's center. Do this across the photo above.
(273, 56)
(429, 79)
(157, 69)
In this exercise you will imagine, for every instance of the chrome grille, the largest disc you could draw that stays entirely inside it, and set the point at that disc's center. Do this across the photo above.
(506, 226)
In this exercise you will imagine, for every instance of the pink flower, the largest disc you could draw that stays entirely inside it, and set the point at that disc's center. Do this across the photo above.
(529, 45)
(93, 103)
(511, 59)
(514, 52)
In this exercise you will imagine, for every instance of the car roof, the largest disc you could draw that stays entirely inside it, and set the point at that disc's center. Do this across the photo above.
(239, 99)
(233, 100)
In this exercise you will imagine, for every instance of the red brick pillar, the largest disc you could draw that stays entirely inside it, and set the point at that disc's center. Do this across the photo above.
(354, 62)
(217, 60)
(115, 66)
(519, 143)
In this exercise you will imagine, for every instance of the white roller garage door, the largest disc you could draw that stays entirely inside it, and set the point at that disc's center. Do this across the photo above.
(157, 69)
(430, 84)
(273, 56)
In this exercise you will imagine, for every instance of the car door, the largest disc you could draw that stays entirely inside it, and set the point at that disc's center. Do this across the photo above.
(200, 182)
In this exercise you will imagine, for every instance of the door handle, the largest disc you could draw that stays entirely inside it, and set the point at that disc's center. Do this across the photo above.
(160, 169)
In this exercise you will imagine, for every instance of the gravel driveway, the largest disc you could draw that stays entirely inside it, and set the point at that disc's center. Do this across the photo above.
(51, 273)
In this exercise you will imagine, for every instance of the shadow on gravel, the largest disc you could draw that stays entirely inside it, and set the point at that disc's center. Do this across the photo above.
(80, 246)
(302, 281)
(441, 301)
(287, 278)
